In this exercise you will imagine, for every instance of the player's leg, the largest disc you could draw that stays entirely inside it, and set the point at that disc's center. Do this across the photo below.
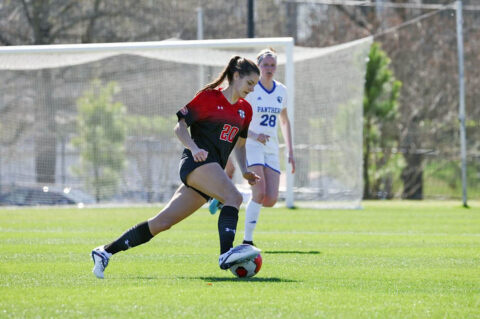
(215, 204)
(272, 181)
(272, 178)
(184, 202)
(252, 211)
(256, 163)
(213, 181)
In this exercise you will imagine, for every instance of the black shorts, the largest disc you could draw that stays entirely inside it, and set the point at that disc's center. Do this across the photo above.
(188, 164)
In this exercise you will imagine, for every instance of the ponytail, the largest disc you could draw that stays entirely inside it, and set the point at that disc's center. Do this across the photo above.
(236, 64)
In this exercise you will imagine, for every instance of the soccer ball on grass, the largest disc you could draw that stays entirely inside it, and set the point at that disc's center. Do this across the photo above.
(247, 268)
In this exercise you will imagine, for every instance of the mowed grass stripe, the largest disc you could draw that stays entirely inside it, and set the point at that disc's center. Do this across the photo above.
(388, 260)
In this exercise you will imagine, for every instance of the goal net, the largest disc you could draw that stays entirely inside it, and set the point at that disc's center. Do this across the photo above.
(94, 122)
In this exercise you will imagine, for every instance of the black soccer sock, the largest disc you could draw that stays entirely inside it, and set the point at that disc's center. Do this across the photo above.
(137, 235)
(227, 226)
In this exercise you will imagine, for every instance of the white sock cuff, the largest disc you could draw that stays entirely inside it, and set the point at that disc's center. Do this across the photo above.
(246, 196)
(254, 205)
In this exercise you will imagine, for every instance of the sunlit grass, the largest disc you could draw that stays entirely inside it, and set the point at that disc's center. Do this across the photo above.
(388, 260)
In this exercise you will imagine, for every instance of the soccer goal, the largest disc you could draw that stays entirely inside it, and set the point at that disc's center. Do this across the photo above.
(94, 122)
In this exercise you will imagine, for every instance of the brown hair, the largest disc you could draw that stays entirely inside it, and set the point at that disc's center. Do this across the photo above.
(236, 64)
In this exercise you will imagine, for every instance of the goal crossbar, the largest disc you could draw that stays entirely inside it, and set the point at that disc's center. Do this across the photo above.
(133, 46)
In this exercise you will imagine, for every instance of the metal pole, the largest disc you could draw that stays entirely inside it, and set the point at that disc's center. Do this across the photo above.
(292, 10)
(380, 10)
(63, 169)
(461, 113)
(199, 23)
(201, 68)
(251, 21)
(290, 83)
(1, 157)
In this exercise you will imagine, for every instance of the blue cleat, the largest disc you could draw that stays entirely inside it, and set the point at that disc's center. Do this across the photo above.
(214, 206)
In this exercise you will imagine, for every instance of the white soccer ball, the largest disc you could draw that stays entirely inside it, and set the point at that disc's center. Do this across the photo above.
(247, 268)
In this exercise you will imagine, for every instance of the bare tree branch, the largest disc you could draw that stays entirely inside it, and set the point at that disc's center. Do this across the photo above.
(357, 20)
(26, 12)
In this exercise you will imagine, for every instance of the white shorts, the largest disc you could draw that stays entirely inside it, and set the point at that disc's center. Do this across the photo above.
(257, 155)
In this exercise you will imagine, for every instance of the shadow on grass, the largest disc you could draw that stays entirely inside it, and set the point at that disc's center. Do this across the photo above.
(145, 277)
(310, 252)
(211, 279)
(253, 279)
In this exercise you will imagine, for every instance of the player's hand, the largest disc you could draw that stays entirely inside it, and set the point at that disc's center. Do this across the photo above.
(263, 138)
(291, 160)
(251, 177)
(199, 155)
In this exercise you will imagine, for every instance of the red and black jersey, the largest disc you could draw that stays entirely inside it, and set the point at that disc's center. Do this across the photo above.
(215, 124)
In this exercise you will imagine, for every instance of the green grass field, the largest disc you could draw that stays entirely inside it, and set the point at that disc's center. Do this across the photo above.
(388, 260)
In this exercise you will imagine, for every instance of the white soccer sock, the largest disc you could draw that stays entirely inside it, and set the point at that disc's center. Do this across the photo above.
(246, 196)
(251, 217)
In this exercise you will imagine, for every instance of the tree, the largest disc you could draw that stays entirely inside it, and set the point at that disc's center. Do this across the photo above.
(380, 109)
(427, 63)
(101, 139)
(42, 22)
(422, 46)
(148, 134)
(422, 50)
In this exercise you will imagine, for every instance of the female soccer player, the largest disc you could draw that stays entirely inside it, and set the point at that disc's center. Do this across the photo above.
(218, 121)
(268, 101)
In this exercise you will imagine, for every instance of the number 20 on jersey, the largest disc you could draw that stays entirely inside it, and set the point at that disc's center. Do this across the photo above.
(228, 133)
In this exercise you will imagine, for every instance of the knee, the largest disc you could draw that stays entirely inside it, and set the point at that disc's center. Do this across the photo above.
(259, 197)
(235, 199)
(157, 226)
(269, 201)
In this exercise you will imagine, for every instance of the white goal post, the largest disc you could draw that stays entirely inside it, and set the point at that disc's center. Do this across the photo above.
(42, 144)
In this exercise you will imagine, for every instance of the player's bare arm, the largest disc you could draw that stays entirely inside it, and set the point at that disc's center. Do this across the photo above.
(181, 130)
(240, 155)
(287, 134)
